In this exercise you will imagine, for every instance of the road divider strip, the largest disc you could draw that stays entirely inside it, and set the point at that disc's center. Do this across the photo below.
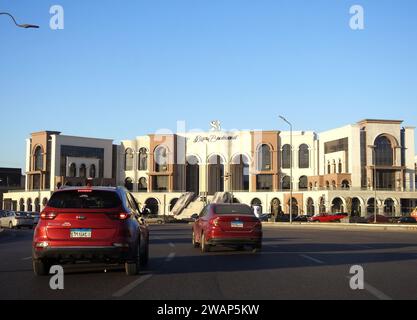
(343, 226)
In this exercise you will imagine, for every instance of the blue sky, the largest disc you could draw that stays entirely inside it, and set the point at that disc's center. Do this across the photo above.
(125, 68)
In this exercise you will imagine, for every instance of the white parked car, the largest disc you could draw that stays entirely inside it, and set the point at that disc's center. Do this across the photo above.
(11, 220)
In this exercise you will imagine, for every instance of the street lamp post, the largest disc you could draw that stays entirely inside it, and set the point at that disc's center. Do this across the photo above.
(373, 147)
(291, 177)
(24, 26)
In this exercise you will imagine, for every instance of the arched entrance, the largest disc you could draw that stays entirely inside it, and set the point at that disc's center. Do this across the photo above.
(240, 173)
(22, 204)
(389, 207)
(322, 206)
(172, 204)
(295, 208)
(215, 175)
(337, 205)
(356, 207)
(37, 205)
(129, 184)
(370, 208)
(192, 175)
(276, 207)
(310, 207)
(256, 204)
(153, 205)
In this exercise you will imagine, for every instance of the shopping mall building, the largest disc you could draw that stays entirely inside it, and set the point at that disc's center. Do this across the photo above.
(337, 170)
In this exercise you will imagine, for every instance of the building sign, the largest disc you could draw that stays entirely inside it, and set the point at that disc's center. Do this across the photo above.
(214, 138)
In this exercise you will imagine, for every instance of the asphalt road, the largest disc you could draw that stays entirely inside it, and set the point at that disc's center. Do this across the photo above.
(296, 263)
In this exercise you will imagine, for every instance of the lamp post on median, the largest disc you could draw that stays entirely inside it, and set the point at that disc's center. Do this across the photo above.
(24, 26)
(291, 177)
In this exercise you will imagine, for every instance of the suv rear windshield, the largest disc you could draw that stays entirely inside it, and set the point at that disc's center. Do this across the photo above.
(78, 199)
(233, 209)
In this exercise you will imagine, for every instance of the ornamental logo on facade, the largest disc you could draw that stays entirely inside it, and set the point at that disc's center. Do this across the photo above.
(214, 138)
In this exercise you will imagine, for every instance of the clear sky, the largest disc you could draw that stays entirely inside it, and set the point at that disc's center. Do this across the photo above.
(121, 69)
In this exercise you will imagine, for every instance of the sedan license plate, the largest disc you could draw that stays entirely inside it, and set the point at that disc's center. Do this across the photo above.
(80, 233)
(237, 224)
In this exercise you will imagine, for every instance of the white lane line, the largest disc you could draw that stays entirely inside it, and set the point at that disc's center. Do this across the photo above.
(171, 245)
(131, 286)
(375, 292)
(27, 258)
(170, 257)
(311, 259)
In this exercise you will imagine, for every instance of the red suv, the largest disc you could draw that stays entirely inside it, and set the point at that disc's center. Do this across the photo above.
(227, 224)
(91, 224)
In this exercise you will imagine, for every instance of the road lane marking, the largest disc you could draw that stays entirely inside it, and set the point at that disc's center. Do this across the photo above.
(172, 245)
(131, 286)
(170, 257)
(27, 258)
(311, 259)
(375, 292)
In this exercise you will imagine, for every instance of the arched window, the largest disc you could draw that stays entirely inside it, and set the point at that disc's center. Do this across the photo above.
(303, 157)
(329, 168)
(345, 184)
(340, 166)
(93, 171)
(310, 207)
(73, 170)
(143, 160)
(302, 184)
(129, 184)
(143, 185)
(264, 158)
(286, 156)
(286, 183)
(161, 159)
(83, 171)
(129, 160)
(334, 166)
(38, 159)
(384, 152)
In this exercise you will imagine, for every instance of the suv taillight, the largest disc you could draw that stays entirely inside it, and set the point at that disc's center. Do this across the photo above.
(48, 215)
(214, 221)
(120, 216)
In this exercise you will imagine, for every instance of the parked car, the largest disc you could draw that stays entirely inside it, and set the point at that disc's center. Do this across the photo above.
(93, 224)
(407, 220)
(227, 224)
(12, 219)
(158, 219)
(379, 219)
(335, 217)
(36, 217)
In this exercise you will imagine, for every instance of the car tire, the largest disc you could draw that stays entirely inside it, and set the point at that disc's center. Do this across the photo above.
(132, 267)
(204, 246)
(40, 268)
(195, 243)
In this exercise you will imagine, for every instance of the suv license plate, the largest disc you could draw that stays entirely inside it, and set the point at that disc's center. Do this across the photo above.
(80, 233)
(237, 224)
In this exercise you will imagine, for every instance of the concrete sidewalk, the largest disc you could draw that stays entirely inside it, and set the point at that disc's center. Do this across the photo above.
(343, 226)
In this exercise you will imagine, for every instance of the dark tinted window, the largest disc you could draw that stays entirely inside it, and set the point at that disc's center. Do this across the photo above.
(233, 209)
(94, 199)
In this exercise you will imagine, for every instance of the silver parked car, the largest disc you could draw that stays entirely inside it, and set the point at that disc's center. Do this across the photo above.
(12, 219)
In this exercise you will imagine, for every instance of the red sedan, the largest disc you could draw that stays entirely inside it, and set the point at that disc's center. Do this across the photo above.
(229, 225)
(337, 217)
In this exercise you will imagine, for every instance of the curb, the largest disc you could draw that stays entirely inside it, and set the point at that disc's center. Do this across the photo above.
(342, 226)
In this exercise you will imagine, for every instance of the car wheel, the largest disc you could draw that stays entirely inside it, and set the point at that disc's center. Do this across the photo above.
(40, 268)
(132, 268)
(204, 246)
(195, 243)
